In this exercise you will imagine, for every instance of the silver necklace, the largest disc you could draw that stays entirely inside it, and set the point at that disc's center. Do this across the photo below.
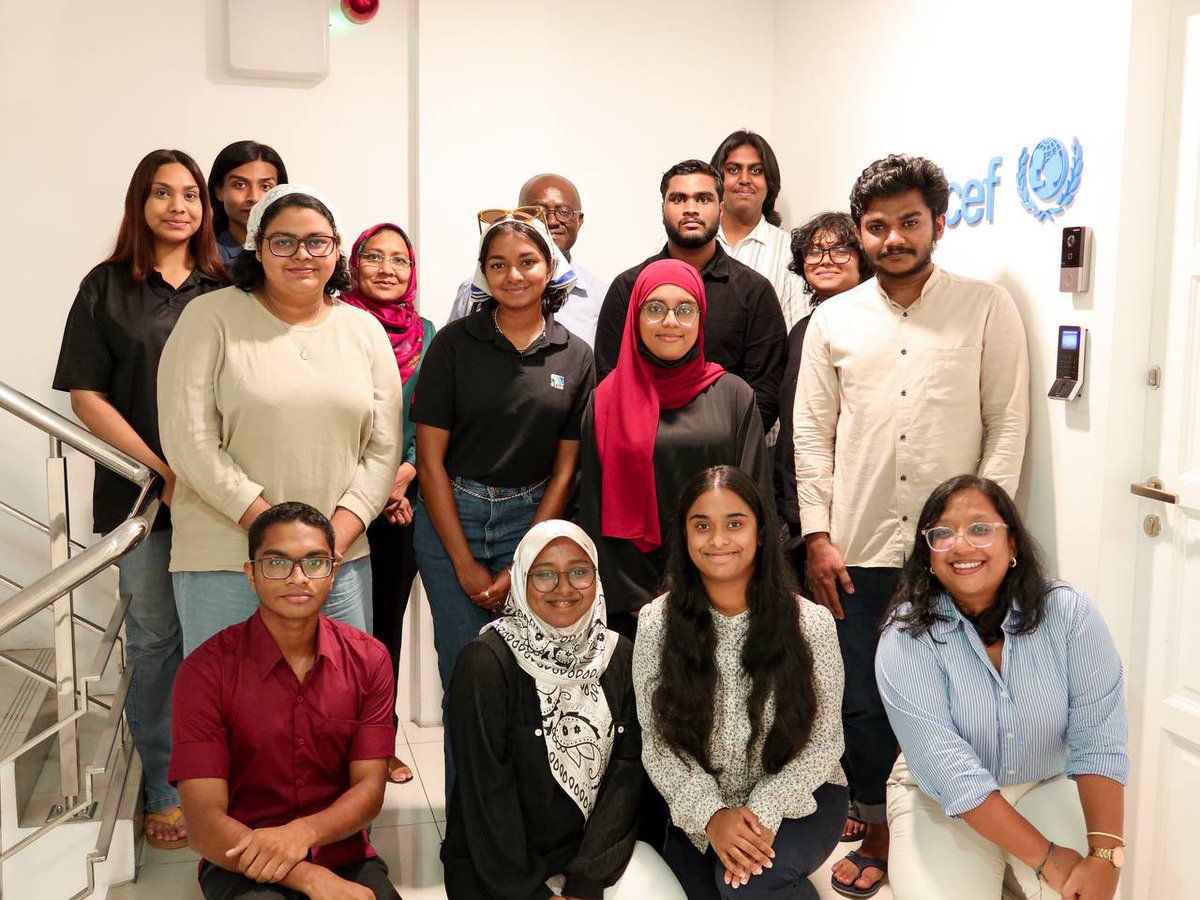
(291, 328)
(541, 334)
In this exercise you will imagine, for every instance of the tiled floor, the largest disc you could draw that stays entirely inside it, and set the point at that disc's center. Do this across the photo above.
(407, 835)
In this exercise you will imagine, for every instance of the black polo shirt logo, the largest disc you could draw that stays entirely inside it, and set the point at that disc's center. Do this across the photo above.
(558, 382)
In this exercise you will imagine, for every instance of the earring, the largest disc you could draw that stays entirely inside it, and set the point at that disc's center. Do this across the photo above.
(931, 571)
(1012, 563)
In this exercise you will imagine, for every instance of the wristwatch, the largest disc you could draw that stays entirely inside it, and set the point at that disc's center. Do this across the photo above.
(1116, 855)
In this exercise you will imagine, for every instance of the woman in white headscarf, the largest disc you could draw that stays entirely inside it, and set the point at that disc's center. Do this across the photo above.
(275, 390)
(544, 726)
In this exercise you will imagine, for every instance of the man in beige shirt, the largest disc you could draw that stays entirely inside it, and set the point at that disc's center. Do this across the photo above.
(907, 380)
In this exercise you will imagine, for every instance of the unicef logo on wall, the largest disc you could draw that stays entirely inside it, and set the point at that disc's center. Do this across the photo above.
(1051, 176)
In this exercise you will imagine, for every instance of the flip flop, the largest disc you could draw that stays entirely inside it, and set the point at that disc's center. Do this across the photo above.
(395, 765)
(170, 818)
(863, 863)
(849, 837)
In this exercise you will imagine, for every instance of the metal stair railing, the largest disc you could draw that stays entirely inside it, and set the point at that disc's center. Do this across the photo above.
(72, 565)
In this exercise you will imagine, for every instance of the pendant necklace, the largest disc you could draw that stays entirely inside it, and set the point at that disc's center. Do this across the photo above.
(312, 320)
(541, 334)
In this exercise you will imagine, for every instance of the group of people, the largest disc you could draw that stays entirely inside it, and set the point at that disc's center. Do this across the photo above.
(618, 497)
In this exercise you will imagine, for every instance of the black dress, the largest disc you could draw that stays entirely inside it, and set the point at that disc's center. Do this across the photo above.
(509, 825)
(719, 427)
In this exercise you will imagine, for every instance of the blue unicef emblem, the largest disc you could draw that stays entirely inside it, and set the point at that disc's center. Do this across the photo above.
(1051, 174)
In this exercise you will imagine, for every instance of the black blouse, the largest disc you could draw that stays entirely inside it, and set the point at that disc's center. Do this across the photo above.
(509, 824)
(719, 427)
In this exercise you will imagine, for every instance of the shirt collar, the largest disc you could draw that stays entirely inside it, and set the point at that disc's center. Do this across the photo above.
(716, 269)
(950, 618)
(261, 646)
(936, 278)
(759, 234)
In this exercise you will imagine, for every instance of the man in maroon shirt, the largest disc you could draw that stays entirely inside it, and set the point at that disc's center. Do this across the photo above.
(282, 729)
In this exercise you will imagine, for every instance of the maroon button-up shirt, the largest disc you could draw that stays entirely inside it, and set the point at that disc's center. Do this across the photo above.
(285, 748)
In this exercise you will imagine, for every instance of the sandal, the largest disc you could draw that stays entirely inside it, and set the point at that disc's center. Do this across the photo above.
(394, 766)
(863, 863)
(854, 830)
(171, 818)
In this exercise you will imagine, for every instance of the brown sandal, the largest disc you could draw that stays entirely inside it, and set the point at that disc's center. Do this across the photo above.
(394, 766)
(171, 817)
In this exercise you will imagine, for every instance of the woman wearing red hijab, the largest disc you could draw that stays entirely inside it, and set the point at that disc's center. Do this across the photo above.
(383, 269)
(662, 415)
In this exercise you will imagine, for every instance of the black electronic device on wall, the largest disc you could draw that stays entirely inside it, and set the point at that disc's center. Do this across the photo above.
(1075, 268)
(1068, 374)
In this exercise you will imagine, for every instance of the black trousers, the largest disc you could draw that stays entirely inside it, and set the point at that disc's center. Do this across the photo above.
(393, 568)
(219, 884)
(871, 747)
(800, 847)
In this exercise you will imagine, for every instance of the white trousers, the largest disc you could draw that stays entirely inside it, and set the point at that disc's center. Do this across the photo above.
(935, 857)
(646, 877)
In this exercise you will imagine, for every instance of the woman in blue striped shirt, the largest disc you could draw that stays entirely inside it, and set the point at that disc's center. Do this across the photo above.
(1000, 686)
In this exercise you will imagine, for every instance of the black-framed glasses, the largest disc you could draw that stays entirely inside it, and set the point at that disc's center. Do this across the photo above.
(563, 213)
(686, 313)
(371, 259)
(978, 534)
(521, 214)
(279, 567)
(286, 245)
(838, 255)
(545, 581)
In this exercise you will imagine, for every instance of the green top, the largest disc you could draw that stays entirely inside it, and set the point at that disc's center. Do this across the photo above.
(410, 427)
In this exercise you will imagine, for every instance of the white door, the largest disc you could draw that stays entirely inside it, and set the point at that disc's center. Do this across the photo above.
(1165, 676)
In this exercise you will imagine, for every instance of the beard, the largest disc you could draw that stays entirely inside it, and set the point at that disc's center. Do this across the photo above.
(690, 241)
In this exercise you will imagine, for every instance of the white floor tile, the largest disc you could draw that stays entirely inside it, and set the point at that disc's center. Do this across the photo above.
(405, 804)
(430, 762)
(156, 882)
(418, 734)
(411, 854)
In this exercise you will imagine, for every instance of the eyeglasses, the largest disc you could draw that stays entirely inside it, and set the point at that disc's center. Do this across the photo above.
(373, 259)
(545, 581)
(521, 214)
(837, 255)
(977, 534)
(279, 567)
(655, 312)
(563, 213)
(287, 244)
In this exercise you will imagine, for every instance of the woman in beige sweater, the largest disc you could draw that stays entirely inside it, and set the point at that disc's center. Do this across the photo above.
(274, 390)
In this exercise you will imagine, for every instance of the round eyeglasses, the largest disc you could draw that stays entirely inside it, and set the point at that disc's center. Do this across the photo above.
(686, 314)
(837, 255)
(545, 581)
(286, 245)
(977, 534)
(372, 260)
(279, 567)
(563, 213)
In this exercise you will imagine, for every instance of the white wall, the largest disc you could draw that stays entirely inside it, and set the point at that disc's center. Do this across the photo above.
(88, 89)
(961, 83)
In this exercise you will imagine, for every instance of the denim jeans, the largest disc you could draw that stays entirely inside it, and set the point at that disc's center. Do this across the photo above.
(871, 747)
(153, 652)
(209, 602)
(494, 520)
(801, 845)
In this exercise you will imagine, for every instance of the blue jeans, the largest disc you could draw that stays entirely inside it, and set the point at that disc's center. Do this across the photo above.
(153, 652)
(871, 747)
(209, 602)
(494, 520)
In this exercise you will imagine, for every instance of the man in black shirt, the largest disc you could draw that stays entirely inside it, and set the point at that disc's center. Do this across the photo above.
(744, 329)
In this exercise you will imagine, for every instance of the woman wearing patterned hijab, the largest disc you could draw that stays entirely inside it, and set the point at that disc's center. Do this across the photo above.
(545, 732)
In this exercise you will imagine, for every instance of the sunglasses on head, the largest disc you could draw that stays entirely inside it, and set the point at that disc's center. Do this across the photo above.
(520, 214)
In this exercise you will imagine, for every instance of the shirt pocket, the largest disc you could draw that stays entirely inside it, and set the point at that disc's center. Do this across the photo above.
(951, 377)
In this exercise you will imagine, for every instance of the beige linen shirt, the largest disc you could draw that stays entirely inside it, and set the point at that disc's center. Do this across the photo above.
(242, 414)
(767, 249)
(892, 402)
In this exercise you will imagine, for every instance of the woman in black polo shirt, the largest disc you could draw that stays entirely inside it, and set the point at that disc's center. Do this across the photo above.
(497, 414)
(126, 307)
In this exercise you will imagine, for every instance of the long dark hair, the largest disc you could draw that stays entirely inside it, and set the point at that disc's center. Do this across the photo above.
(770, 167)
(1023, 589)
(552, 298)
(235, 155)
(776, 655)
(248, 273)
(840, 227)
(135, 240)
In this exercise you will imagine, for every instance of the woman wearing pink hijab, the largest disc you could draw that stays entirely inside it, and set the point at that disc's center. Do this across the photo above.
(383, 269)
(662, 415)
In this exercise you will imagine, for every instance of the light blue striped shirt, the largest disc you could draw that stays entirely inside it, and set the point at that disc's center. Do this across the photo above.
(1056, 706)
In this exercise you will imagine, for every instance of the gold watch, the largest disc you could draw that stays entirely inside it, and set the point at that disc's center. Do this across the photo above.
(1116, 855)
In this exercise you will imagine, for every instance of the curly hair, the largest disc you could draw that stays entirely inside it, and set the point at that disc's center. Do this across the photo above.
(776, 656)
(1022, 591)
(553, 298)
(841, 228)
(895, 174)
(248, 273)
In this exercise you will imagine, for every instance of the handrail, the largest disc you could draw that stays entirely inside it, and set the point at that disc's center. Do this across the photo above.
(47, 420)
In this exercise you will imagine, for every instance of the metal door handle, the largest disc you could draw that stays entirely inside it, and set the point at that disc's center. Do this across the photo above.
(1152, 489)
